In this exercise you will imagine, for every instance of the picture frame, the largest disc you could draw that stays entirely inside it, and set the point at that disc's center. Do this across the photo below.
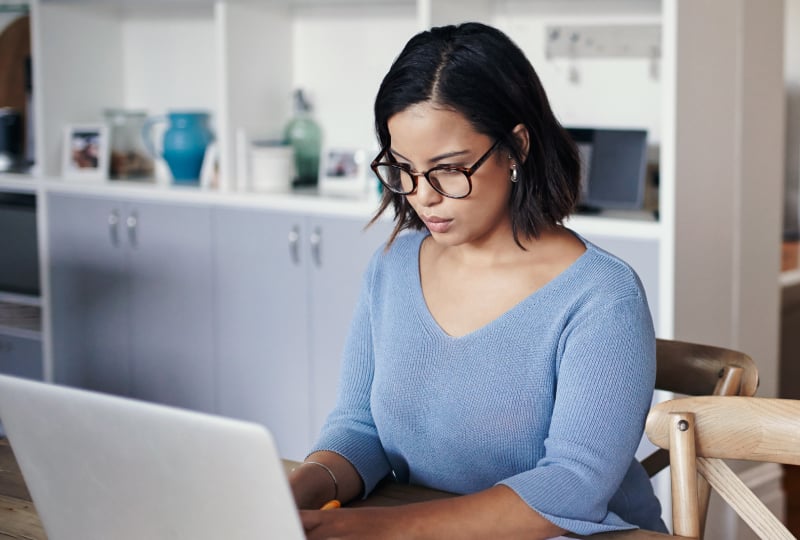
(344, 172)
(85, 152)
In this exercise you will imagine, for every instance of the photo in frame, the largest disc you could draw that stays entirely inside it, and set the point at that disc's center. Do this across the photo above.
(344, 172)
(85, 152)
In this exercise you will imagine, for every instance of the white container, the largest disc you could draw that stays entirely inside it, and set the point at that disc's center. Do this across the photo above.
(271, 167)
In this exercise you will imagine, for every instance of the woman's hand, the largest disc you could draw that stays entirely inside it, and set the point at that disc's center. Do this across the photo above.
(330, 477)
(496, 513)
(358, 524)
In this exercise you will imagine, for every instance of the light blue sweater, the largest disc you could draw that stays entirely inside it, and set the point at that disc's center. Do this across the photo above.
(548, 399)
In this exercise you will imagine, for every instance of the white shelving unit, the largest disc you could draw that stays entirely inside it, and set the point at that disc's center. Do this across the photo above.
(240, 60)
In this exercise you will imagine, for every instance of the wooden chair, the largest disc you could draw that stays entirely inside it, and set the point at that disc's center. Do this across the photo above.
(701, 431)
(699, 370)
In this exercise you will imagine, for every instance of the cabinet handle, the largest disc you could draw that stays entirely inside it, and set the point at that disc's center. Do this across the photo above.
(316, 246)
(132, 223)
(113, 226)
(294, 244)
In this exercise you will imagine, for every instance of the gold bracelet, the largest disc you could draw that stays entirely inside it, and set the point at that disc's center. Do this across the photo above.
(330, 472)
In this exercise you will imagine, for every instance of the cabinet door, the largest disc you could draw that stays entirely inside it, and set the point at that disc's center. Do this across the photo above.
(171, 312)
(88, 292)
(341, 250)
(21, 357)
(262, 323)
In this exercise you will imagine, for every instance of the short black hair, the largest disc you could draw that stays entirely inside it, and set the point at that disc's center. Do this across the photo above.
(478, 71)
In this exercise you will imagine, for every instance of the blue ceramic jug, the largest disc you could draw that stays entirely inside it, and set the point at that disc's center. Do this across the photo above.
(184, 145)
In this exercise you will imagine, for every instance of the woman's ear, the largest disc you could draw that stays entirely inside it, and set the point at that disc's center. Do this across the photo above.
(523, 140)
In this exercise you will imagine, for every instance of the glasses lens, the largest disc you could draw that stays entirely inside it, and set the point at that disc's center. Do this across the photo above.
(451, 182)
(395, 178)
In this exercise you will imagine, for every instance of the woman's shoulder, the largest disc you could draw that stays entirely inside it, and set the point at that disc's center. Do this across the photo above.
(604, 271)
(404, 250)
(405, 245)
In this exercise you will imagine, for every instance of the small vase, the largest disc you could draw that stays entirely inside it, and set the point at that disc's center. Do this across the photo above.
(185, 143)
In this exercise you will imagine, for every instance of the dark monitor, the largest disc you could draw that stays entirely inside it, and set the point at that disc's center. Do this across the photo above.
(613, 164)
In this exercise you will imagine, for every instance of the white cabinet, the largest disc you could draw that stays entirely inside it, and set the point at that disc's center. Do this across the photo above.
(131, 298)
(21, 356)
(285, 285)
(230, 309)
(262, 309)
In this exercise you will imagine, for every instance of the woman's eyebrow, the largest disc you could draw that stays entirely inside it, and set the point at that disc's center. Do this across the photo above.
(434, 159)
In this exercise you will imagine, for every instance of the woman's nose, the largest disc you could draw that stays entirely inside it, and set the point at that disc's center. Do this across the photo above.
(425, 194)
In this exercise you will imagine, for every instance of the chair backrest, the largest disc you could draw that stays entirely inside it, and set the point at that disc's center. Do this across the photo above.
(701, 431)
(703, 370)
(699, 370)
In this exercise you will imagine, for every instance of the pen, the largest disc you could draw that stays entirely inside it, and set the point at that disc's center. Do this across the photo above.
(330, 505)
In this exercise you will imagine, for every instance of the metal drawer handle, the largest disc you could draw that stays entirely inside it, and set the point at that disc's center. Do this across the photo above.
(113, 223)
(132, 223)
(294, 244)
(316, 246)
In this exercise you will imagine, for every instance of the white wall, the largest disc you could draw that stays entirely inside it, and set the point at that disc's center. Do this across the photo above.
(159, 76)
(610, 92)
(369, 38)
(613, 92)
(792, 74)
(728, 171)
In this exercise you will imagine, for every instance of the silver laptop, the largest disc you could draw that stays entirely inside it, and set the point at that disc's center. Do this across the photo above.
(102, 467)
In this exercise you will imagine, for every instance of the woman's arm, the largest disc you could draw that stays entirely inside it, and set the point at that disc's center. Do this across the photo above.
(313, 485)
(496, 513)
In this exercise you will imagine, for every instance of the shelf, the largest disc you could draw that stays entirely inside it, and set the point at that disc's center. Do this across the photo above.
(20, 299)
(18, 183)
(20, 320)
(631, 224)
(634, 226)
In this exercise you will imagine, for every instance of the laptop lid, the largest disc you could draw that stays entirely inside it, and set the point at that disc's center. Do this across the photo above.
(99, 466)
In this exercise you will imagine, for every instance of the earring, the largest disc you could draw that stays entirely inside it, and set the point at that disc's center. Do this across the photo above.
(514, 173)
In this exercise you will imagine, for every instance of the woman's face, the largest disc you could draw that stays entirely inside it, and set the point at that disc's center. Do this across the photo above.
(424, 136)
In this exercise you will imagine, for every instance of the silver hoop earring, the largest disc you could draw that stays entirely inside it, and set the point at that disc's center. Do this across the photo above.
(514, 174)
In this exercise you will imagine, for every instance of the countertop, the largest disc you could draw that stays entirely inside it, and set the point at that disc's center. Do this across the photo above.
(629, 224)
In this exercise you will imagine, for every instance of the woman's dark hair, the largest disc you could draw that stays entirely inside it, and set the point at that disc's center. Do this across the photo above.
(479, 72)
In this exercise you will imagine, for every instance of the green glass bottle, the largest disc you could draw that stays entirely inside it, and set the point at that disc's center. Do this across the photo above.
(305, 136)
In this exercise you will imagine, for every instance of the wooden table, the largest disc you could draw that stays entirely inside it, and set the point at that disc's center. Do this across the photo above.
(19, 521)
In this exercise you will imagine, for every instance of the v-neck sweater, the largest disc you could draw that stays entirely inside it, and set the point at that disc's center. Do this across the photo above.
(548, 399)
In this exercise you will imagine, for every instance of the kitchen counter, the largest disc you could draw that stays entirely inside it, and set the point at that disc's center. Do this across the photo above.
(636, 225)
(306, 200)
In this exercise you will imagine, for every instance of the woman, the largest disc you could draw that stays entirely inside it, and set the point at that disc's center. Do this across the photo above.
(494, 353)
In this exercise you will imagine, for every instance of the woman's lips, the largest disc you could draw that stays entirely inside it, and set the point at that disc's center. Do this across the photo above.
(437, 224)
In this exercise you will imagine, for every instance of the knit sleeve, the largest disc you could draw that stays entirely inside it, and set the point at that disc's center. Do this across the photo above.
(603, 393)
(350, 429)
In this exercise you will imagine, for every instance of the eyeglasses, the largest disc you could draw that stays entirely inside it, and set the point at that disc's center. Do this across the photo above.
(452, 182)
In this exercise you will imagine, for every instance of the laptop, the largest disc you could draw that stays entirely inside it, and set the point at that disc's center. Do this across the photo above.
(100, 467)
